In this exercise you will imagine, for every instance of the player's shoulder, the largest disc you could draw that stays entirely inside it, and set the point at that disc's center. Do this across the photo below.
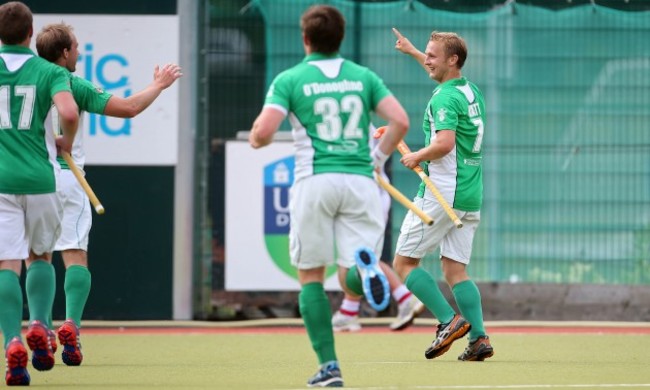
(358, 70)
(80, 83)
(39, 64)
(288, 74)
(454, 90)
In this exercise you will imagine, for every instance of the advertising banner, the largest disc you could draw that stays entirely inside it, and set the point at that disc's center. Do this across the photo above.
(257, 219)
(118, 53)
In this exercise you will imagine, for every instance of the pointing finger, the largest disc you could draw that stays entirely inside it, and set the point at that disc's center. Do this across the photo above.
(397, 33)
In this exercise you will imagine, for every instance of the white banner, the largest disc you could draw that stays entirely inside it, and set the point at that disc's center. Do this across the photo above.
(257, 219)
(118, 53)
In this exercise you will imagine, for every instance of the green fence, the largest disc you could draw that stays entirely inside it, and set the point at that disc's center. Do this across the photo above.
(567, 144)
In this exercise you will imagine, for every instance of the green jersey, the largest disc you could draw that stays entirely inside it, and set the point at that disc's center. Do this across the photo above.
(329, 100)
(27, 85)
(457, 105)
(89, 98)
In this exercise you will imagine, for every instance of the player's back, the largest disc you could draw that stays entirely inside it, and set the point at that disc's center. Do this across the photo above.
(330, 100)
(27, 84)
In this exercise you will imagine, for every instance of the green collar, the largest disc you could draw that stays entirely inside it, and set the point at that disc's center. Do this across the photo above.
(320, 56)
(16, 49)
(458, 81)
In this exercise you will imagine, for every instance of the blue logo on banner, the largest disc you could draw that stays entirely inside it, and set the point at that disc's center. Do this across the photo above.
(278, 178)
(110, 72)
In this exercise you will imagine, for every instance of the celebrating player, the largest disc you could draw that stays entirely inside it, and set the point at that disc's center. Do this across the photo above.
(56, 43)
(453, 128)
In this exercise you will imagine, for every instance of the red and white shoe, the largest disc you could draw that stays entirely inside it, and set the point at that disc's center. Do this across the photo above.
(16, 356)
(69, 339)
(38, 340)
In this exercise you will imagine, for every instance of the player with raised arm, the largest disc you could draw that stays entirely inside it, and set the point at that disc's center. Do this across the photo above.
(57, 43)
(30, 209)
(334, 202)
(453, 129)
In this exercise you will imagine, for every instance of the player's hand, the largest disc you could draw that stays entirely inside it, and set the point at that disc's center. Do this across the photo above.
(403, 44)
(166, 75)
(410, 160)
(63, 144)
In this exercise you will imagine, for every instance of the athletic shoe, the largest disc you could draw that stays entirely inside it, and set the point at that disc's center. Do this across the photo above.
(406, 313)
(52, 336)
(38, 340)
(477, 350)
(446, 335)
(345, 323)
(69, 339)
(373, 280)
(16, 357)
(328, 376)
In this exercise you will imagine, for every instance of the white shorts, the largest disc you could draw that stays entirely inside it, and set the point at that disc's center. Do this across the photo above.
(333, 215)
(416, 239)
(29, 222)
(386, 200)
(77, 217)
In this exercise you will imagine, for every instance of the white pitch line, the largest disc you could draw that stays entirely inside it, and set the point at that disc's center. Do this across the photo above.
(574, 386)
(392, 362)
(539, 386)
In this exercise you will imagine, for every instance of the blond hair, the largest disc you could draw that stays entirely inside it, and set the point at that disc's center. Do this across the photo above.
(453, 44)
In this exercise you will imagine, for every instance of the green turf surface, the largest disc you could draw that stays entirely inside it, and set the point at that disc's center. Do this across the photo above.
(368, 360)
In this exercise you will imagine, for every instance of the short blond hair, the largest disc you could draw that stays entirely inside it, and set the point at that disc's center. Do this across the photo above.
(453, 45)
(53, 39)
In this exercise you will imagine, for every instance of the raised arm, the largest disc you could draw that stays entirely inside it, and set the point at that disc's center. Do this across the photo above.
(133, 105)
(406, 47)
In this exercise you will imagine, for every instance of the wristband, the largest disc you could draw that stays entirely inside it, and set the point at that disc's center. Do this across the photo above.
(379, 158)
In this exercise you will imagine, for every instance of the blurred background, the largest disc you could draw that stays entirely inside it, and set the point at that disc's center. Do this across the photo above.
(565, 231)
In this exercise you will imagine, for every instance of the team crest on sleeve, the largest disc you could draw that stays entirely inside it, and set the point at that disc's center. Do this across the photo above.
(442, 114)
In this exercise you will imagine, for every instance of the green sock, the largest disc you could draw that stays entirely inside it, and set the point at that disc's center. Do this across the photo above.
(77, 288)
(353, 281)
(422, 284)
(11, 305)
(468, 298)
(40, 285)
(317, 316)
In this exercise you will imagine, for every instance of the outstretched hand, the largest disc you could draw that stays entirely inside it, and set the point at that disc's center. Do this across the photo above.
(403, 44)
(166, 75)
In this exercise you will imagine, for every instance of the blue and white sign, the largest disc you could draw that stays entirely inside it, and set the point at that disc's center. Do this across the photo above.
(118, 53)
(257, 219)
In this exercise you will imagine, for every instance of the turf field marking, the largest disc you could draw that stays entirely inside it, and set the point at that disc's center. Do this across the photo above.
(479, 387)
(575, 386)
(366, 330)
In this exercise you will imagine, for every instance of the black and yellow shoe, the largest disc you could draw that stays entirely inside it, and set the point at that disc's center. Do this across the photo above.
(446, 335)
(477, 350)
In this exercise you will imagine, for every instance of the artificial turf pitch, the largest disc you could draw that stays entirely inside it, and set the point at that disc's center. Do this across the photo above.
(281, 358)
